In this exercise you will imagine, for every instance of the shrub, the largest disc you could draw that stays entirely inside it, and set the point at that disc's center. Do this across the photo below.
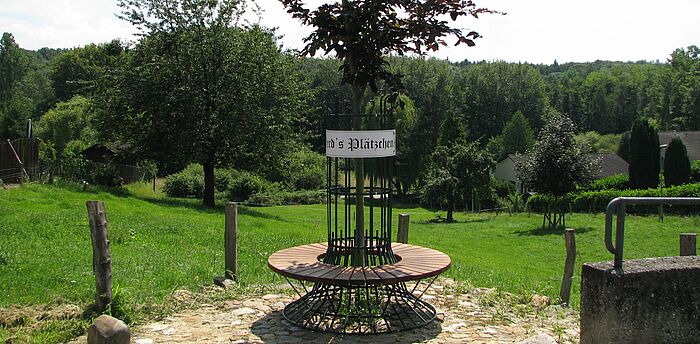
(513, 202)
(305, 170)
(501, 187)
(245, 184)
(73, 165)
(277, 197)
(695, 171)
(614, 182)
(149, 168)
(224, 178)
(186, 183)
(103, 174)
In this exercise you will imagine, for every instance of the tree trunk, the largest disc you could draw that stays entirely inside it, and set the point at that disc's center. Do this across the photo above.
(359, 181)
(450, 210)
(208, 184)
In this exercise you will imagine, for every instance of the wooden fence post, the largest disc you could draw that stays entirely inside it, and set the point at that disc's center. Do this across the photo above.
(101, 261)
(231, 241)
(402, 235)
(688, 241)
(21, 165)
(570, 238)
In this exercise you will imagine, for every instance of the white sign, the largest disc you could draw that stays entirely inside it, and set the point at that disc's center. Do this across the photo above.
(360, 144)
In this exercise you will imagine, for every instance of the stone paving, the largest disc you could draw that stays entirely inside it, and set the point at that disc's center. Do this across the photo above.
(480, 315)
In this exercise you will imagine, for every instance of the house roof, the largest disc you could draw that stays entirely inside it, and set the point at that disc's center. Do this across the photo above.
(101, 153)
(691, 140)
(610, 163)
(97, 152)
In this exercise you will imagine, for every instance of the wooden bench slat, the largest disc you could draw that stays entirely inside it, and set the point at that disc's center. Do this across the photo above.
(384, 276)
(343, 277)
(331, 273)
(302, 263)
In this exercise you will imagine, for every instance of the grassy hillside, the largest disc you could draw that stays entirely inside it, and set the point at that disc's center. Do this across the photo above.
(159, 244)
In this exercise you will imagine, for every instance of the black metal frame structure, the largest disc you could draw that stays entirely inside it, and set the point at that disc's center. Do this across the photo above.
(365, 308)
(361, 309)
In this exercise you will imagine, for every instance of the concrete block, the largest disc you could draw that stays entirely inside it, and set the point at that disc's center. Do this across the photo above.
(653, 300)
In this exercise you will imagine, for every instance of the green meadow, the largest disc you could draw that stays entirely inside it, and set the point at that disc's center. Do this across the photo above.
(161, 244)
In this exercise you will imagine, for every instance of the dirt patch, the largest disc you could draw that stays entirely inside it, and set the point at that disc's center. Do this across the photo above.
(14, 315)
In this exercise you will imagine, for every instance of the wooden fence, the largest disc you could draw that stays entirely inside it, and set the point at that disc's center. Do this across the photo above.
(27, 150)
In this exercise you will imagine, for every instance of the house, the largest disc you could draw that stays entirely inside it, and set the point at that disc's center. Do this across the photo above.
(505, 170)
(691, 140)
(120, 155)
(610, 164)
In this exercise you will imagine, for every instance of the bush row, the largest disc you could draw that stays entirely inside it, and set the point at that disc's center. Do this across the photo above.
(614, 182)
(597, 201)
(235, 185)
(277, 197)
(229, 184)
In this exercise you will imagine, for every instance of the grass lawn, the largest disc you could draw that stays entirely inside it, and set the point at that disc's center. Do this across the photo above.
(159, 245)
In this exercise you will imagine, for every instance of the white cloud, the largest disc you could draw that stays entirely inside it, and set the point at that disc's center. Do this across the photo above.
(62, 23)
(534, 31)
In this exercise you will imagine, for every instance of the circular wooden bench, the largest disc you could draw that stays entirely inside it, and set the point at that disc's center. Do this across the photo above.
(415, 263)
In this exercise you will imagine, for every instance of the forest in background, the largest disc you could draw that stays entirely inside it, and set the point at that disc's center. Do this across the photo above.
(66, 93)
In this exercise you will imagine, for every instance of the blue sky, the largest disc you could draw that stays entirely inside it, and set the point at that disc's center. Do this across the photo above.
(537, 31)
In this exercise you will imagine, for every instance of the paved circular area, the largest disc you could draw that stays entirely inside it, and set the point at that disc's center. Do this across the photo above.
(465, 315)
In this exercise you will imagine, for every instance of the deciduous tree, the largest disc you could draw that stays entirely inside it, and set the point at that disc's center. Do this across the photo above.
(198, 89)
(67, 121)
(362, 33)
(517, 135)
(456, 171)
(555, 166)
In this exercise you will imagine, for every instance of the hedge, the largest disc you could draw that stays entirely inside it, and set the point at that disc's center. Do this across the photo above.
(276, 197)
(614, 182)
(597, 201)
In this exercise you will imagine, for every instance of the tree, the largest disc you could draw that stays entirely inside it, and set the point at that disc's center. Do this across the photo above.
(517, 135)
(15, 108)
(490, 93)
(555, 166)
(76, 71)
(362, 33)
(676, 163)
(452, 130)
(13, 66)
(197, 89)
(67, 121)
(685, 81)
(454, 172)
(623, 149)
(405, 117)
(330, 97)
(644, 156)
(431, 85)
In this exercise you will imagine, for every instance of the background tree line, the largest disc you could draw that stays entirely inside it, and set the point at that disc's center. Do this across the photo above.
(99, 93)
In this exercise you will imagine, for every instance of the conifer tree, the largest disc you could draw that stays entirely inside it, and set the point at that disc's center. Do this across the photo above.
(676, 163)
(644, 157)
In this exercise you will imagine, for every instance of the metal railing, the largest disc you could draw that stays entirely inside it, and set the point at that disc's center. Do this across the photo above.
(619, 206)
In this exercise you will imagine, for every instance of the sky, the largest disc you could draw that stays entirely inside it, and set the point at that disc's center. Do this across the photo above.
(535, 31)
